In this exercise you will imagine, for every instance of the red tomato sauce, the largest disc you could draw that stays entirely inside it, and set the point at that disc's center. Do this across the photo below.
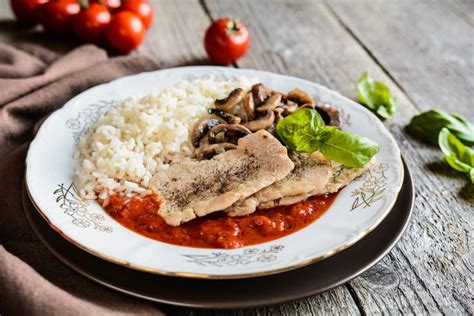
(217, 230)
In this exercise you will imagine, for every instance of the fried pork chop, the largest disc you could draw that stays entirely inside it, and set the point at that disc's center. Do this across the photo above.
(192, 189)
(312, 175)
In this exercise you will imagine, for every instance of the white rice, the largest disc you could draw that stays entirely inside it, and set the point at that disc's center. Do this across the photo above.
(135, 139)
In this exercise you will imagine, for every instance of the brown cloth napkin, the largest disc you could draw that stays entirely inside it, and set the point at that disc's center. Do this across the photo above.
(33, 83)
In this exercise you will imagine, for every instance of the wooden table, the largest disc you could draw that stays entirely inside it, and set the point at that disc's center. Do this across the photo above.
(424, 50)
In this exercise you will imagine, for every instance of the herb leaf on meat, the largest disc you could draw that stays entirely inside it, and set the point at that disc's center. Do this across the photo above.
(305, 131)
(349, 149)
(300, 131)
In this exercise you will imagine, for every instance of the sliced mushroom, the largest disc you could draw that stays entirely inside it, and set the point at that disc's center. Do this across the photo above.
(209, 151)
(262, 122)
(204, 140)
(279, 113)
(249, 106)
(307, 106)
(271, 103)
(200, 128)
(300, 97)
(229, 118)
(260, 93)
(272, 129)
(330, 115)
(283, 95)
(234, 98)
(241, 112)
(228, 133)
(290, 107)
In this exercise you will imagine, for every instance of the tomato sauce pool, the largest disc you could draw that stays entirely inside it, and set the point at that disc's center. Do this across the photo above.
(217, 230)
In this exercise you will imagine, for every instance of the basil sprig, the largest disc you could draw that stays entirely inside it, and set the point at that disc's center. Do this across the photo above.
(305, 131)
(458, 155)
(376, 96)
(429, 124)
(300, 131)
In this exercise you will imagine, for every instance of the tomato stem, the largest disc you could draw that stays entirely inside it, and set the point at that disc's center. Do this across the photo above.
(84, 4)
(233, 26)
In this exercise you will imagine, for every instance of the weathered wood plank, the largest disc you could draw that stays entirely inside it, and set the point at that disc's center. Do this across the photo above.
(430, 271)
(335, 302)
(463, 8)
(426, 48)
(176, 36)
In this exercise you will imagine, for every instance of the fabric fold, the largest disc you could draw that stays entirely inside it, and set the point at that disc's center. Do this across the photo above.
(33, 83)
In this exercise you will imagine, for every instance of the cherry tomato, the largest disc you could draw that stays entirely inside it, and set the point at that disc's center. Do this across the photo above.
(56, 16)
(89, 25)
(226, 40)
(125, 32)
(26, 11)
(111, 4)
(142, 8)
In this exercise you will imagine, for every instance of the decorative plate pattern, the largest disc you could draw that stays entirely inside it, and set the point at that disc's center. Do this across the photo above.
(74, 206)
(248, 256)
(85, 118)
(374, 183)
(357, 210)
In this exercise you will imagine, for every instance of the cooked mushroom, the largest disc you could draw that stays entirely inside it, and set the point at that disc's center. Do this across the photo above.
(209, 151)
(290, 107)
(262, 122)
(232, 100)
(260, 93)
(241, 112)
(200, 128)
(249, 106)
(228, 133)
(271, 103)
(204, 140)
(307, 106)
(300, 97)
(272, 129)
(330, 115)
(229, 118)
(278, 113)
(283, 95)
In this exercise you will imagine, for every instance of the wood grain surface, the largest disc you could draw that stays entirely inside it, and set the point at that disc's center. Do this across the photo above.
(423, 45)
(424, 50)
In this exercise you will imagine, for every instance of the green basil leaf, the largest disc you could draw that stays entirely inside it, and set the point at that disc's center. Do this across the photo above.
(376, 96)
(300, 130)
(428, 124)
(349, 149)
(454, 162)
(305, 131)
(459, 156)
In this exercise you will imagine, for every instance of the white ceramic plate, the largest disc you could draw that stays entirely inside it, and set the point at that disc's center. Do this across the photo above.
(357, 210)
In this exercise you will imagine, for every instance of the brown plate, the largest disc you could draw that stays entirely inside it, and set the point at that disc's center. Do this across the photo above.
(238, 293)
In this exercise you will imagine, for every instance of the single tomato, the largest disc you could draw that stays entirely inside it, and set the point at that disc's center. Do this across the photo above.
(142, 8)
(125, 32)
(89, 25)
(56, 16)
(26, 11)
(226, 40)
